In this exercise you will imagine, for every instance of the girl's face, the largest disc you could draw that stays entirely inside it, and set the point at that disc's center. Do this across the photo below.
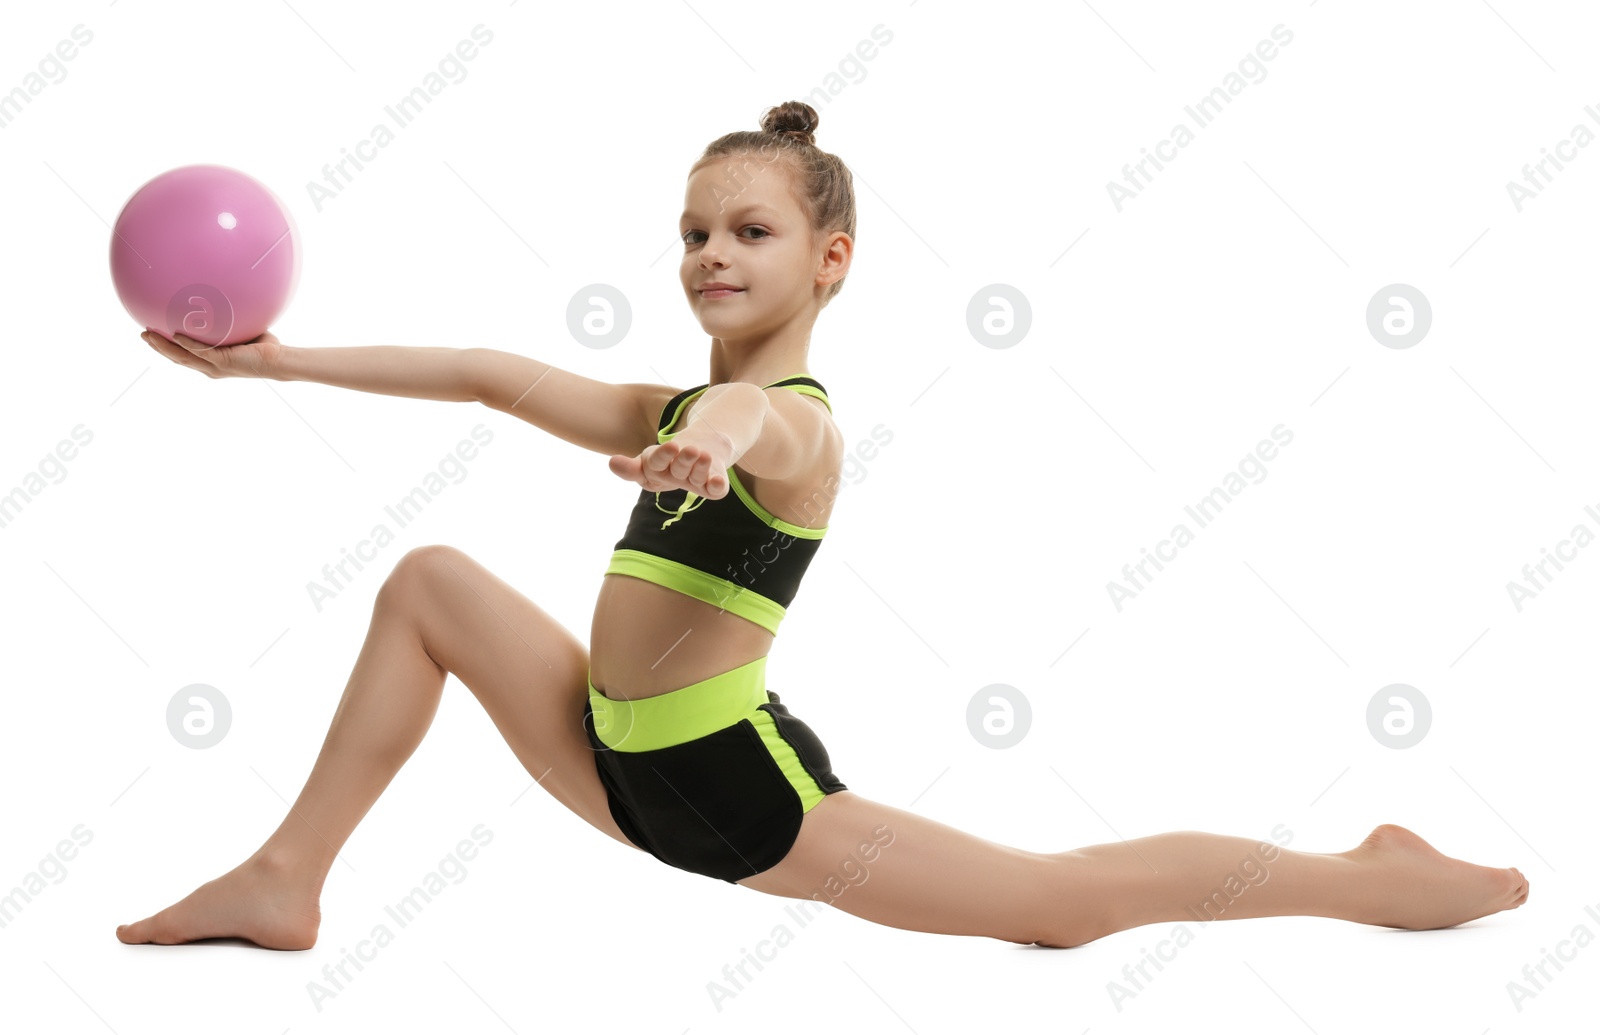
(743, 226)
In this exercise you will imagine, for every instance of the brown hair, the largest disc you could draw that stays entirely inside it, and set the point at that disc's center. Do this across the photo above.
(821, 181)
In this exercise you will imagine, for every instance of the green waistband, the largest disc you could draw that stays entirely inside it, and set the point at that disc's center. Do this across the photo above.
(680, 715)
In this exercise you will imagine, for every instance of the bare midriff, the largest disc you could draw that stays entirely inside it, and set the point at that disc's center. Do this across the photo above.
(647, 639)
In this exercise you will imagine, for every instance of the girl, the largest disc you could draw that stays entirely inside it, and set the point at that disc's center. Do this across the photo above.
(665, 737)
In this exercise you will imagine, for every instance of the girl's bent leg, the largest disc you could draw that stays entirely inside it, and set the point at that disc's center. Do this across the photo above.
(897, 868)
(438, 612)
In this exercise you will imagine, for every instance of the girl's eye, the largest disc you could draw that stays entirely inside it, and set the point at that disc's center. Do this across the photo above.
(691, 233)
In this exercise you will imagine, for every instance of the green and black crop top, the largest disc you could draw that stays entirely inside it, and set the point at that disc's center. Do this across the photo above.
(730, 552)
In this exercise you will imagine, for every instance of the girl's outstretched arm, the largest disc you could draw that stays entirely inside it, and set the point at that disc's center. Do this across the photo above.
(416, 372)
(595, 415)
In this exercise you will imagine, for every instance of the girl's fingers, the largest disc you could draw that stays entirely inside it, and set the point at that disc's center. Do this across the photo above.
(696, 464)
(697, 470)
(667, 460)
(653, 468)
(694, 470)
(702, 473)
(670, 465)
(199, 349)
(164, 343)
(622, 467)
(687, 464)
(173, 351)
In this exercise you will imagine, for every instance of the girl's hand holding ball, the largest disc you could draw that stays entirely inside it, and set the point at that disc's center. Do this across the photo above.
(257, 358)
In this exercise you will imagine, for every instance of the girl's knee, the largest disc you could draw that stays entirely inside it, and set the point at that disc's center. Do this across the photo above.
(418, 567)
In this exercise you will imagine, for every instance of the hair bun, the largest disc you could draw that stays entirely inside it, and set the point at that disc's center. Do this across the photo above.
(796, 119)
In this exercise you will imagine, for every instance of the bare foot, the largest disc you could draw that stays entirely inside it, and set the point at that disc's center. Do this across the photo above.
(256, 900)
(1412, 885)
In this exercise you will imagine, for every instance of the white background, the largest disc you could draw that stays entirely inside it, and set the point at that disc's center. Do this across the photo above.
(1167, 340)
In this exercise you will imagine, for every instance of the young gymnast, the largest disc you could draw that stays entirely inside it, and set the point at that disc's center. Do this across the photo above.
(665, 738)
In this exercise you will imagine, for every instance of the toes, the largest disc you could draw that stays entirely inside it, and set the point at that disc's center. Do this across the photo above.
(1513, 886)
(152, 930)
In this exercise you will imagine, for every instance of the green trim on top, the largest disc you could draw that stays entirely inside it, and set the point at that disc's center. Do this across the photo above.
(719, 592)
(662, 436)
(766, 515)
(808, 390)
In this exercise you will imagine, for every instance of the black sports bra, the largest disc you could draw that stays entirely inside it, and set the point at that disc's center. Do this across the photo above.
(731, 552)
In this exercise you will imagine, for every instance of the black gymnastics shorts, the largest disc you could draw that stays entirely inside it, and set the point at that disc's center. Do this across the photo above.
(714, 777)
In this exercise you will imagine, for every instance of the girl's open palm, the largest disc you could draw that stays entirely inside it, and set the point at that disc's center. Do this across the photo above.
(254, 358)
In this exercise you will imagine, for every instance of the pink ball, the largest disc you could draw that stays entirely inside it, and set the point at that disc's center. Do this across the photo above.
(206, 251)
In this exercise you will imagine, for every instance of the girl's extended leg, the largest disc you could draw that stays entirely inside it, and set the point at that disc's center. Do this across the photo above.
(904, 870)
(438, 612)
